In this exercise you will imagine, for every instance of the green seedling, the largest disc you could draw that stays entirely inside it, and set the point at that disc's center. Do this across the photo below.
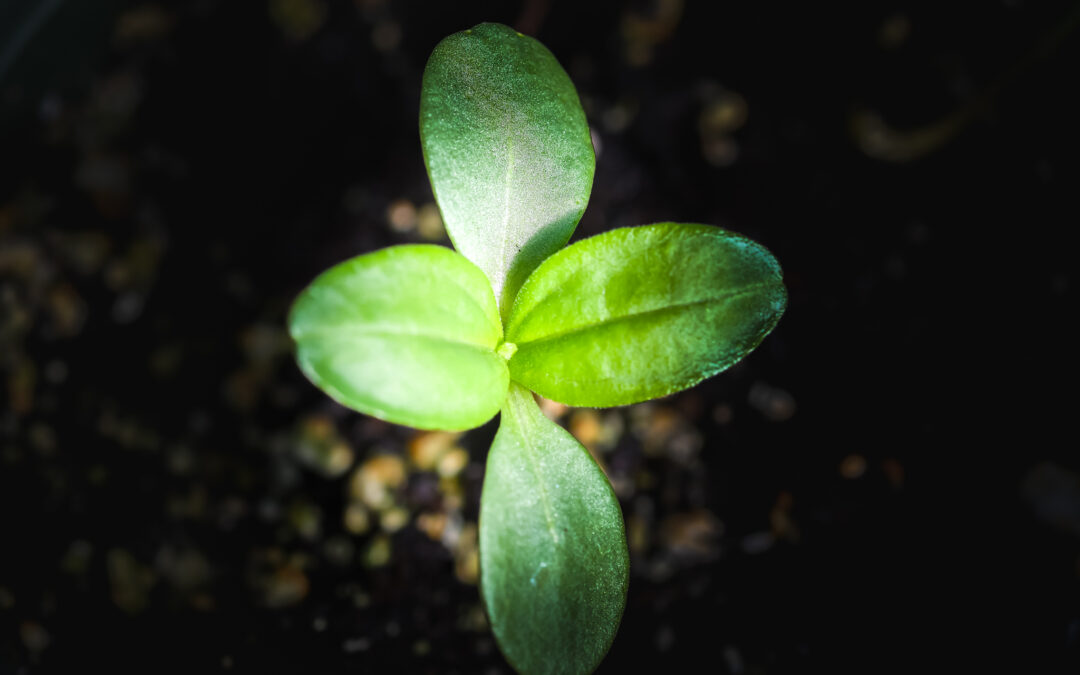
(424, 336)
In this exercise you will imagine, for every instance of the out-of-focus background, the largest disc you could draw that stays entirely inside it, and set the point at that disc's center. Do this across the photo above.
(890, 483)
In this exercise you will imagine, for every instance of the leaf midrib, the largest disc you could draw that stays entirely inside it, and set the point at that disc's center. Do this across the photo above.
(506, 213)
(569, 285)
(746, 290)
(345, 333)
(520, 419)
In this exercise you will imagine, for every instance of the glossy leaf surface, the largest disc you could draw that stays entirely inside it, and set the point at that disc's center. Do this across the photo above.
(406, 334)
(553, 558)
(638, 313)
(507, 149)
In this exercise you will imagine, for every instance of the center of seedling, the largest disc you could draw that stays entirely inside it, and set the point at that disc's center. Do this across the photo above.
(506, 350)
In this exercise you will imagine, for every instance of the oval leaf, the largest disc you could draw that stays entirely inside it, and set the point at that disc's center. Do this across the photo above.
(406, 334)
(553, 559)
(507, 149)
(638, 313)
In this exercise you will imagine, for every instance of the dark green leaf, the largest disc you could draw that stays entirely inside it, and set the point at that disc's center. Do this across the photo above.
(553, 557)
(406, 334)
(507, 148)
(638, 313)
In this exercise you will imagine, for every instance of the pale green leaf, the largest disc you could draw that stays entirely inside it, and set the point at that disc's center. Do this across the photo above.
(406, 334)
(553, 559)
(507, 149)
(638, 313)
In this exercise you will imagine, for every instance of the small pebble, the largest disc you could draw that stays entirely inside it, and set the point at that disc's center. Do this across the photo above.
(34, 636)
(378, 551)
(453, 462)
(427, 447)
(429, 224)
(432, 524)
(853, 466)
(393, 519)
(285, 587)
(774, 404)
(401, 215)
(357, 519)
(376, 480)
(467, 557)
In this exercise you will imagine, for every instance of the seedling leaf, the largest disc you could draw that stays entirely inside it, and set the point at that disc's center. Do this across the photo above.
(638, 313)
(407, 334)
(507, 149)
(553, 555)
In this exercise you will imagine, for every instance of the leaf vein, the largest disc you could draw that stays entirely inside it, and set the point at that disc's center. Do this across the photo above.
(531, 456)
(347, 332)
(636, 315)
(506, 203)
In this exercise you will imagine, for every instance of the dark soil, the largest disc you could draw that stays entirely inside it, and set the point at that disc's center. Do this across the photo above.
(890, 483)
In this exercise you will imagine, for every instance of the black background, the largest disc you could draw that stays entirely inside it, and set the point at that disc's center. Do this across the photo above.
(926, 333)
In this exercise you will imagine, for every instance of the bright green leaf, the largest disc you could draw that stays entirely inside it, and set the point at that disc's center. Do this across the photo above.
(553, 559)
(507, 149)
(406, 334)
(638, 313)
